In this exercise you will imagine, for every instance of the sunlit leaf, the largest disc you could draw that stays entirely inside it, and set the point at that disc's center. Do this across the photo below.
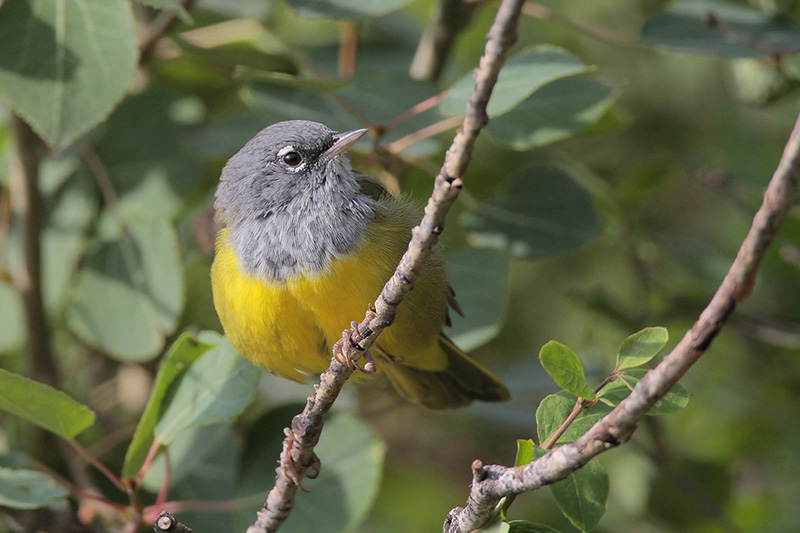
(184, 351)
(554, 410)
(43, 405)
(524, 452)
(29, 489)
(675, 400)
(642, 346)
(557, 111)
(218, 385)
(64, 65)
(565, 368)
(522, 74)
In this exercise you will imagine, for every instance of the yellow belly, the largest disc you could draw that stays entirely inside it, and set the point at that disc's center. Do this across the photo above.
(290, 327)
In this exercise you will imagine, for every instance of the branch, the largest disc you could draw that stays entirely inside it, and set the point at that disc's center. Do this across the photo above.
(491, 483)
(27, 205)
(451, 17)
(298, 454)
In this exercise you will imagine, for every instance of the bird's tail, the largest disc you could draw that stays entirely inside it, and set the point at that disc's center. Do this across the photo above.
(463, 381)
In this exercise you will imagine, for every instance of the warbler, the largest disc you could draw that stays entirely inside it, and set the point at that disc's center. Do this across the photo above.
(307, 245)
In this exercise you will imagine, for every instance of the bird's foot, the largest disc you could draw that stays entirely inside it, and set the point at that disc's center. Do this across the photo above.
(347, 351)
(288, 465)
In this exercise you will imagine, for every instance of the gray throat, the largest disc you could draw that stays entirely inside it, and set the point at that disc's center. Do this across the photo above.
(301, 235)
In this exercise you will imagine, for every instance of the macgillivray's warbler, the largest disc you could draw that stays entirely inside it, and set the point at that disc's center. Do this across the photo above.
(307, 245)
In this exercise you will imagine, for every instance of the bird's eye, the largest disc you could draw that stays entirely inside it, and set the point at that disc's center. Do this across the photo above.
(292, 159)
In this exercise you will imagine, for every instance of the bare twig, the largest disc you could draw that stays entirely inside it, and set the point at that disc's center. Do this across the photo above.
(348, 49)
(490, 483)
(429, 131)
(543, 12)
(306, 427)
(27, 205)
(159, 27)
(433, 50)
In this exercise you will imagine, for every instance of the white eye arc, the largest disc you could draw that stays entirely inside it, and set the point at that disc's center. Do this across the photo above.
(291, 159)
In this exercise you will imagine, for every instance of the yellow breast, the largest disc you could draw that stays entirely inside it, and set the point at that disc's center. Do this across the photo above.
(289, 327)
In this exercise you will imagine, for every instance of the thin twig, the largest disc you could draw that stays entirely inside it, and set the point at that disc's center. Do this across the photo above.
(307, 426)
(491, 483)
(348, 49)
(545, 13)
(433, 51)
(428, 131)
(413, 111)
(159, 27)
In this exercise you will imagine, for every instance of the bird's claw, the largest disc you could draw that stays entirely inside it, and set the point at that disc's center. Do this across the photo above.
(288, 465)
(347, 351)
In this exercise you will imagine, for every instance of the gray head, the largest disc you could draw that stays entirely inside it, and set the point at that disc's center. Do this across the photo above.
(291, 200)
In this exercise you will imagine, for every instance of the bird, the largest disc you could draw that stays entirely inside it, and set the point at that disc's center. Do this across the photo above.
(306, 244)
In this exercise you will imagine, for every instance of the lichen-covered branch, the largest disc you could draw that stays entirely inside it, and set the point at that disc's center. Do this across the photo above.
(493, 482)
(298, 453)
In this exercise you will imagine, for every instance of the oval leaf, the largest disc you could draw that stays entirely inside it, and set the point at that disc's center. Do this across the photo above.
(583, 495)
(640, 347)
(183, 353)
(352, 462)
(43, 405)
(557, 111)
(522, 74)
(683, 27)
(215, 387)
(543, 212)
(675, 400)
(555, 409)
(28, 489)
(480, 279)
(524, 452)
(129, 294)
(565, 368)
(523, 526)
(64, 65)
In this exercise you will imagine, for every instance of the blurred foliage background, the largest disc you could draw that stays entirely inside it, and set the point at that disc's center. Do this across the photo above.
(627, 153)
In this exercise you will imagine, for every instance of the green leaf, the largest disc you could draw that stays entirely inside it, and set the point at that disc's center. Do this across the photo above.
(543, 212)
(184, 351)
(64, 65)
(28, 489)
(682, 27)
(218, 385)
(640, 347)
(352, 461)
(43, 405)
(523, 526)
(12, 319)
(583, 495)
(344, 9)
(129, 295)
(189, 456)
(524, 452)
(565, 368)
(522, 74)
(557, 111)
(554, 410)
(675, 400)
(497, 527)
(480, 279)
